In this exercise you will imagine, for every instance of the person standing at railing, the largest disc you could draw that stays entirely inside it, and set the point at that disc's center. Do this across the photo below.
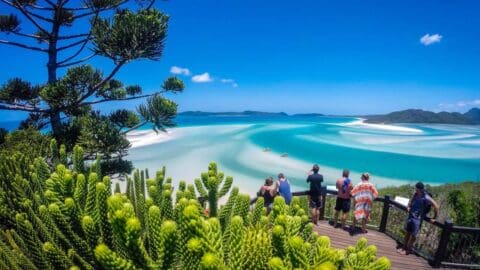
(364, 193)
(283, 188)
(315, 193)
(344, 187)
(268, 192)
(418, 208)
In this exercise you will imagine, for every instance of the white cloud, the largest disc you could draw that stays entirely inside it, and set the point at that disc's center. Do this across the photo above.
(460, 104)
(430, 39)
(180, 71)
(202, 78)
(231, 81)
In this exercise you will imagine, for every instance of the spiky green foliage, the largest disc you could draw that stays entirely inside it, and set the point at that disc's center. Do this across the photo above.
(90, 230)
(226, 210)
(211, 187)
(77, 159)
(8, 257)
(110, 260)
(167, 205)
(241, 208)
(56, 258)
(63, 155)
(91, 195)
(101, 214)
(32, 242)
(139, 205)
(81, 191)
(362, 257)
(117, 188)
(234, 242)
(62, 230)
(258, 211)
(54, 152)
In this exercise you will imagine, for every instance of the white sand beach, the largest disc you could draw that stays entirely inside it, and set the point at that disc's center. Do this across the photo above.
(140, 138)
(361, 123)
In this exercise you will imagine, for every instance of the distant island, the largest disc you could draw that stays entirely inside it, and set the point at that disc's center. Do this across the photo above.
(244, 113)
(247, 113)
(308, 114)
(472, 117)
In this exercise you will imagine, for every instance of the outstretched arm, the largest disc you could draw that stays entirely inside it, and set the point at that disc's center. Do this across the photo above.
(435, 210)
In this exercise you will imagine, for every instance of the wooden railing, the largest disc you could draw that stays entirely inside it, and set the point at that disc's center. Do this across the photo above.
(442, 244)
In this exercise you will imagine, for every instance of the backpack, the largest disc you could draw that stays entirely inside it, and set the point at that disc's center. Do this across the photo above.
(427, 206)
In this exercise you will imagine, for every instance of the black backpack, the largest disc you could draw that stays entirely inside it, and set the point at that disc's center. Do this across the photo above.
(427, 206)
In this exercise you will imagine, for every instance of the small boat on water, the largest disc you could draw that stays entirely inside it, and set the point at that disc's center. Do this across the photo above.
(267, 149)
(284, 155)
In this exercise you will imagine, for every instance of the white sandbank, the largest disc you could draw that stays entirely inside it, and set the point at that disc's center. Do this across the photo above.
(146, 137)
(361, 123)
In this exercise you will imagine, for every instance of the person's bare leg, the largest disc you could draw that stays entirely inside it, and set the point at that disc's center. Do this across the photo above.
(354, 224)
(364, 225)
(314, 212)
(410, 244)
(335, 218)
(406, 240)
(344, 219)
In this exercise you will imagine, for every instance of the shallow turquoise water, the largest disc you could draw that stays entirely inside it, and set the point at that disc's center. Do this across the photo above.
(431, 153)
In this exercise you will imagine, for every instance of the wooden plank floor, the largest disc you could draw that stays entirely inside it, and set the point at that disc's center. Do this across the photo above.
(386, 246)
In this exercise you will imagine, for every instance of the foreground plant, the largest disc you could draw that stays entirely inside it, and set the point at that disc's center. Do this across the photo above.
(65, 218)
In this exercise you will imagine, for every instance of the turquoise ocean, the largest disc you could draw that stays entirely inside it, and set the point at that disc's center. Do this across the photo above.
(250, 148)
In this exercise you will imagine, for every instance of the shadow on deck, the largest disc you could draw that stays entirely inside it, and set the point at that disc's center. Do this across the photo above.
(386, 246)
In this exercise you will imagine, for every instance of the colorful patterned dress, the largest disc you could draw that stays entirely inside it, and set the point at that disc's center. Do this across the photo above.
(363, 193)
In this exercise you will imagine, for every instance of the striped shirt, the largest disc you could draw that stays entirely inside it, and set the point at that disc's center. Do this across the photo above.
(364, 193)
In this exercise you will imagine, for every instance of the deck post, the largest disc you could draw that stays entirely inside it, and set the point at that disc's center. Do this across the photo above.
(442, 244)
(386, 208)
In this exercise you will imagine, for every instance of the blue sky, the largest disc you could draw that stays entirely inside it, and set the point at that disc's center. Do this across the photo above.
(333, 57)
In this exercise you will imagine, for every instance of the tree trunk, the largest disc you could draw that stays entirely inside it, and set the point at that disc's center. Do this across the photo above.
(52, 71)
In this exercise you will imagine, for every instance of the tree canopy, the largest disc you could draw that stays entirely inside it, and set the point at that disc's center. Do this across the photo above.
(119, 30)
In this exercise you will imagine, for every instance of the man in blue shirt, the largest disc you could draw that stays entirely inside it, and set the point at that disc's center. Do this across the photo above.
(315, 194)
(417, 211)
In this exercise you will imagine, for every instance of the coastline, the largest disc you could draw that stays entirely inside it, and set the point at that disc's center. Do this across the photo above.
(236, 157)
(361, 123)
(139, 138)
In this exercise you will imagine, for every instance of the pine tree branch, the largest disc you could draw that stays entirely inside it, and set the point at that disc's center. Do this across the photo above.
(98, 10)
(76, 62)
(123, 99)
(76, 8)
(51, 3)
(28, 35)
(100, 84)
(73, 36)
(75, 54)
(151, 4)
(20, 107)
(40, 7)
(39, 16)
(83, 45)
(110, 76)
(25, 13)
(134, 127)
(72, 44)
(23, 45)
